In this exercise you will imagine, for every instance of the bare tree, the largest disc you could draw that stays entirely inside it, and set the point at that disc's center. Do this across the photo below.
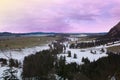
(10, 73)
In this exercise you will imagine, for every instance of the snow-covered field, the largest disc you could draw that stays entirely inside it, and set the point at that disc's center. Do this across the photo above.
(79, 35)
(20, 54)
(86, 53)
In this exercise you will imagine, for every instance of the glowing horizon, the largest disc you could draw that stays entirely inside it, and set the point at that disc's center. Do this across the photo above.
(58, 15)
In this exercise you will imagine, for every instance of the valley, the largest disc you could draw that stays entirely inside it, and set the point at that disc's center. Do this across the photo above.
(59, 57)
(32, 45)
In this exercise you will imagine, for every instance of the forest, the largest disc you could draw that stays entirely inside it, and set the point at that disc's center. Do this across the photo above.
(45, 66)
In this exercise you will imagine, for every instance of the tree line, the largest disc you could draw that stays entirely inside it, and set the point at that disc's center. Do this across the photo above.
(93, 43)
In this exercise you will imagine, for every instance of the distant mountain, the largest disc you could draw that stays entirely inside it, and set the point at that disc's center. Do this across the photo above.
(115, 31)
(31, 34)
(8, 34)
(5, 34)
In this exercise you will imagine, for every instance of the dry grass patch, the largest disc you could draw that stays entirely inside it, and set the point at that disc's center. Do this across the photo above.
(22, 42)
(114, 49)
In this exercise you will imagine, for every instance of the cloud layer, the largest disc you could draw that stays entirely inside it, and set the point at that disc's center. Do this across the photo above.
(59, 15)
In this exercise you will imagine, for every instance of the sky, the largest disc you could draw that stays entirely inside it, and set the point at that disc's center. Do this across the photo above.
(76, 16)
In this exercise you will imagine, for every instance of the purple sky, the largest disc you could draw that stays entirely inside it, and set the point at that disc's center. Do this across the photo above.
(59, 15)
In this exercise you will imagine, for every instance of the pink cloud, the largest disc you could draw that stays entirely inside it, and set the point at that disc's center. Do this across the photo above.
(64, 16)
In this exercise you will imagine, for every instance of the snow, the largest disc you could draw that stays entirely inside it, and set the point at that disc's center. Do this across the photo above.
(1, 71)
(118, 44)
(86, 53)
(18, 74)
(79, 35)
(19, 55)
(72, 39)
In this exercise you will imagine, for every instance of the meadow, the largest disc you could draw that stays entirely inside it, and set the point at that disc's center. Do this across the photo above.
(23, 42)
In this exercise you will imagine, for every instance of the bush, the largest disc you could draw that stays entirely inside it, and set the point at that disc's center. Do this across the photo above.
(4, 61)
(13, 63)
(102, 50)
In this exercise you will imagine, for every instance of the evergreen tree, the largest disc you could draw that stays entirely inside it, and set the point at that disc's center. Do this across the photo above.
(75, 56)
(69, 53)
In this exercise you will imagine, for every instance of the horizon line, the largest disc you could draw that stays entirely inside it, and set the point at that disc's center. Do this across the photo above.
(48, 32)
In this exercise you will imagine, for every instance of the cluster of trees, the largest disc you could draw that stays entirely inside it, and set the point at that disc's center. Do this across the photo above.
(57, 46)
(3, 61)
(93, 43)
(11, 62)
(14, 63)
(42, 65)
(38, 65)
(103, 68)
(69, 71)
(85, 60)
(66, 71)
(69, 54)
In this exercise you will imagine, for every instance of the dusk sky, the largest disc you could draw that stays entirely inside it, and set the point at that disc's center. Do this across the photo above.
(21, 16)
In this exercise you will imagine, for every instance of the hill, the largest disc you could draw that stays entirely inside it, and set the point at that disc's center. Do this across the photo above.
(115, 31)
